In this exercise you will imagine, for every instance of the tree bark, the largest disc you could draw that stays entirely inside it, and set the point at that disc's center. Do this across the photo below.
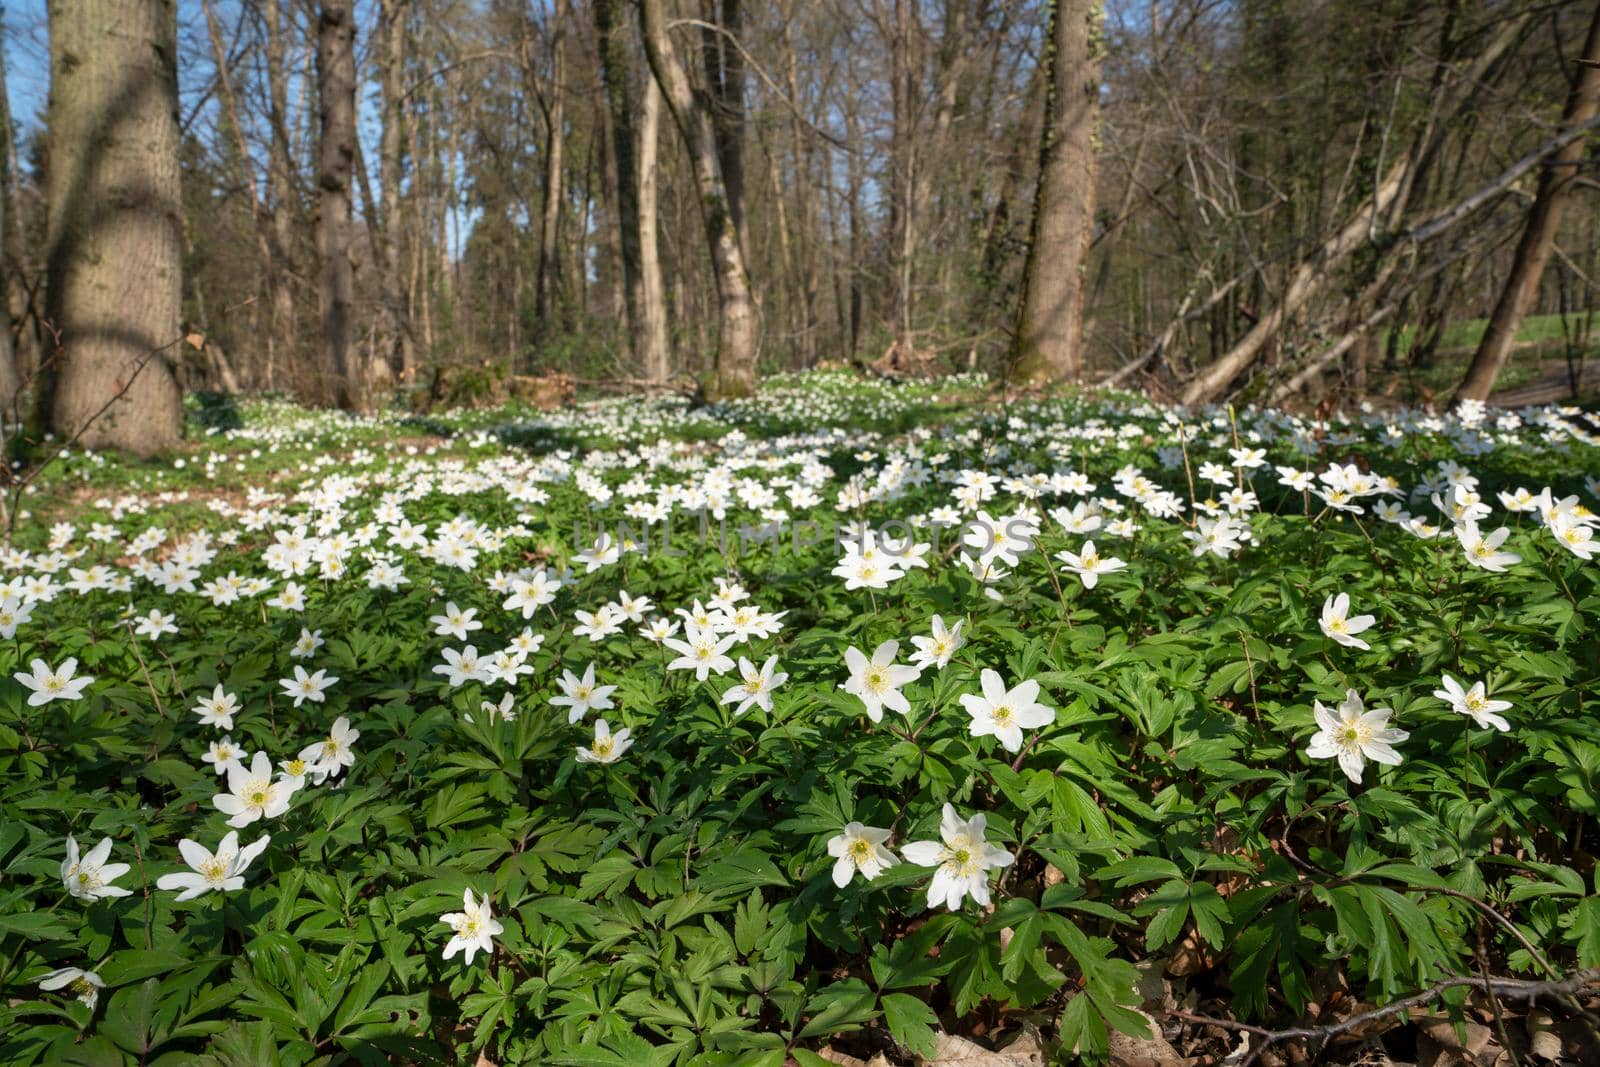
(392, 35)
(281, 201)
(115, 233)
(549, 281)
(1049, 338)
(904, 104)
(735, 371)
(336, 94)
(16, 300)
(636, 195)
(656, 352)
(10, 373)
(724, 65)
(1539, 234)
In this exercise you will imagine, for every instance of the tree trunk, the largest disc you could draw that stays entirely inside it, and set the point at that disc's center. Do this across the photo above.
(1049, 338)
(336, 95)
(114, 237)
(724, 65)
(904, 103)
(281, 339)
(1539, 234)
(735, 371)
(623, 103)
(10, 372)
(555, 138)
(609, 270)
(656, 354)
(807, 237)
(15, 292)
(392, 33)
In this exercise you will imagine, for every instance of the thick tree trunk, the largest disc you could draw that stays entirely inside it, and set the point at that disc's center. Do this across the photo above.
(336, 94)
(115, 236)
(1539, 234)
(735, 371)
(1049, 338)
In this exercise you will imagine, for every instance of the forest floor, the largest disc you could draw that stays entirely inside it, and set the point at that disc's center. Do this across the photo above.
(856, 723)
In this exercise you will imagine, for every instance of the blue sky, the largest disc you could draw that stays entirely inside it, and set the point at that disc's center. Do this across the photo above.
(27, 60)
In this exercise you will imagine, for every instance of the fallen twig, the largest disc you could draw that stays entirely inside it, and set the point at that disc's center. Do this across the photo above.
(1562, 989)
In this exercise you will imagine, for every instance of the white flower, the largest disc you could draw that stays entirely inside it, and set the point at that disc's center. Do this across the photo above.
(658, 630)
(58, 684)
(1337, 624)
(1574, 535)
(757, 686)
(217, 709)
(1219, 536)
(252, 794)
(305, 686)
(936, 650)
(221, 753)
(603, 553)
(607, 747)
(877, 681)
(963, 859)
(1088, 564)
(581, 696)
(307, 645)
(700, 651)
(455, 622)
(14, 612)
(530, 594)
(633, 608)
(870, 570)
(1002, 539)
(291, 598)
(1474, 702)
(1354, 736)
(462, 666)
(90, 877)
(1003, 712)
(333, 753)
(223, 871)
(86, 985)
(859, 848)
(1483, 550)
(474, 925)
(155, 624)
(599, 624)
(493, 711)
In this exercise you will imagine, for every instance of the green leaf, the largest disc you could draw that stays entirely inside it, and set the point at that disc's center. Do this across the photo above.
(911, 1022)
